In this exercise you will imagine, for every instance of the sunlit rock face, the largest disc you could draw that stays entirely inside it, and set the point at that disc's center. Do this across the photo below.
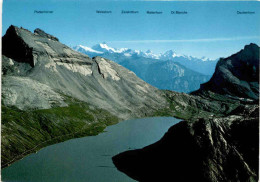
(46, 63)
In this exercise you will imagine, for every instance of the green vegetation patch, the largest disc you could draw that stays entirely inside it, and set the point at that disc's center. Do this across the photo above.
(24, 132)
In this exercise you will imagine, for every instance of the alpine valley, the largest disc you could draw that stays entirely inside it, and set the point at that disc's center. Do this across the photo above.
(52, 93)
(169, 70)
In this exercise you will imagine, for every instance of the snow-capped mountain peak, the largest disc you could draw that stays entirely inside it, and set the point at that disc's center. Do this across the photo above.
(81, 48)
(205, 59)
(150, 54)
(169, 55)
(103, 48)
(148, 51)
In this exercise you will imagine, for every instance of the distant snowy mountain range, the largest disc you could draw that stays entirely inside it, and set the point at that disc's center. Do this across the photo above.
(167, 70)
(103, 48)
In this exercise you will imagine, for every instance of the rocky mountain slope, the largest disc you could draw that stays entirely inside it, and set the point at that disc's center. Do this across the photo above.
(175, 76)
(37, 60)
(209, 147)
(51, 93)
(236, 76)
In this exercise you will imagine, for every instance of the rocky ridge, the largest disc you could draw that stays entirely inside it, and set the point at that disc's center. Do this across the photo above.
(100, 82)
(208, 147)
(236, 76)
(210, 150)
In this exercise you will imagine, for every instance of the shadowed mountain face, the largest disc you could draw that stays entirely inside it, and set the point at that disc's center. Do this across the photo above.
(209, 149)
(237, 75)
(221, 149)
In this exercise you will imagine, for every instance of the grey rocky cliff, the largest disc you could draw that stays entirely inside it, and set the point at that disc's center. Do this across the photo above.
(98, 81)
(236, 76)
(41, 33)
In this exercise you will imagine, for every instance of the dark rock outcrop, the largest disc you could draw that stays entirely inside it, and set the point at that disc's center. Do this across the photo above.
(14, 46)
(41, 33)
(237, 75)
(214, 150)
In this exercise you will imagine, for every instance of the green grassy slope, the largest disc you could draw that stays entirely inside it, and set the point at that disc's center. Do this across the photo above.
(24, 132)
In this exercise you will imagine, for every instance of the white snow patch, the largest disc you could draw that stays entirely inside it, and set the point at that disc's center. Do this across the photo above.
(105, 46)
(127, 54)
(205, 59)
(88, 49)
(122, 50)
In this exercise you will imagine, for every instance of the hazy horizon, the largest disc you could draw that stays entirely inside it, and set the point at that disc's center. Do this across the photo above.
(210, 29)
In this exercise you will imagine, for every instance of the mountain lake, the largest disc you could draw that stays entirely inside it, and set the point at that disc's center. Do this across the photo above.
(88, 159)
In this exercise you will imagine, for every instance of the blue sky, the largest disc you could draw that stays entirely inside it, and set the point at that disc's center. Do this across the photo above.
(211, 29)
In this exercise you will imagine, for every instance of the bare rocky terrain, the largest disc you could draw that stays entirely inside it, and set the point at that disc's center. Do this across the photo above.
(54, 67)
